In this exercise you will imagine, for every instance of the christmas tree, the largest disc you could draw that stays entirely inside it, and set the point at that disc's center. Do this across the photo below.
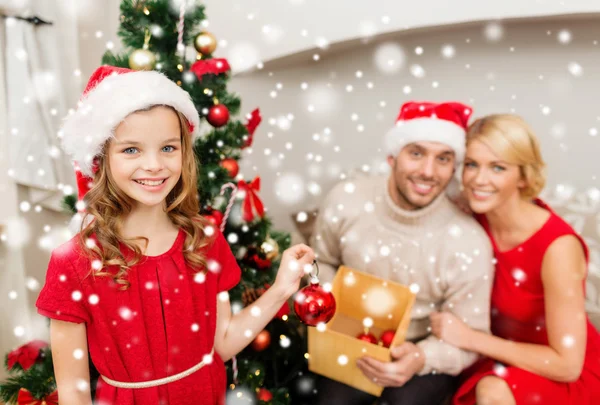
(160, 35)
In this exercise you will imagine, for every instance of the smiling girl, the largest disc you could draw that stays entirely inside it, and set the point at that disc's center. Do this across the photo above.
(143, 286)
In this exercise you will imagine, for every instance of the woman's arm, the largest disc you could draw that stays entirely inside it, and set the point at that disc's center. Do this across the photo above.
(234, 332)
(563, 271)
(71, 365)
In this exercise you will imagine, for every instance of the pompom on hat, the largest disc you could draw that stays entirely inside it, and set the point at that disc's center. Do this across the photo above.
(111, 94)
(430, 122)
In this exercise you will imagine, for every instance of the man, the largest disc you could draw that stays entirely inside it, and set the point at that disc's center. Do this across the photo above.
(404, 228)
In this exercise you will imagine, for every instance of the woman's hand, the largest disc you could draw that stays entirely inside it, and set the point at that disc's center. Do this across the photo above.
(450, 329)
(294, 262)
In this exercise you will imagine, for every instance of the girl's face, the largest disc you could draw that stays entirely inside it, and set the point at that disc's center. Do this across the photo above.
(145, 155)
(488, 181)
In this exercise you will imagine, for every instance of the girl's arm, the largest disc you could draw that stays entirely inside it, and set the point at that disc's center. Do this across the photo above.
(71, 365)
(563, 272)
(235, 332)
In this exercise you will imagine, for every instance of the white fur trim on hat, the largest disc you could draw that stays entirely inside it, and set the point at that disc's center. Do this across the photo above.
(85, 132)
(425, 130)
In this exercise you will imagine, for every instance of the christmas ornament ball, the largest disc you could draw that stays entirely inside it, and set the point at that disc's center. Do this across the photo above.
(231, 165)
(367, 337)
(261, 341)
(142, 59)
(386, 337)
(205, 43)
(314, 305)
(264, 395)
(218, 115)
(216, 217)
(270, 248)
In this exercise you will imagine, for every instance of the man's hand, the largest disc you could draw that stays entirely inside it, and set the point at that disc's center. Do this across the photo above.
(409, 359)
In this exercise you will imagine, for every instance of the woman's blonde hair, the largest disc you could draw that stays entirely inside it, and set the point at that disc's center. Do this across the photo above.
(107, 205)
(511, 138)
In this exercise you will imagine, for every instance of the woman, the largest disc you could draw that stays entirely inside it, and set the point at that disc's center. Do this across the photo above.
(543, 349)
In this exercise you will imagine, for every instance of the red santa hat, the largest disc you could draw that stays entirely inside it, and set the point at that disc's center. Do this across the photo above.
(430, 122)
(112, 94)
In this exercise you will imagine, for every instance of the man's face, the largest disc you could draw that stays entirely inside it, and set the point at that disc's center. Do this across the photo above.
(420, 172)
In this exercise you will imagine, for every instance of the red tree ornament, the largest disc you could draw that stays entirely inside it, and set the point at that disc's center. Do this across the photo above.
(261, 341)
(231, 165)
(25, 355)
(214, 216)
(264, 395)
(366, 336)
(313, 304)
(214, 66)
(218, 115)
(25, 398)
(254, 120)
(386, 338)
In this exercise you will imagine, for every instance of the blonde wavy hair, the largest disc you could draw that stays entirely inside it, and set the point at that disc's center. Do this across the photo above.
(107, 205)
(511, 138)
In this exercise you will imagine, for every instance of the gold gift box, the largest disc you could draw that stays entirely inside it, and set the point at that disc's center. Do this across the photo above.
(334, 349)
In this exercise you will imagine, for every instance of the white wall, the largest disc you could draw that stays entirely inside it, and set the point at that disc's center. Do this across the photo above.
(262, 30)
(526, 72)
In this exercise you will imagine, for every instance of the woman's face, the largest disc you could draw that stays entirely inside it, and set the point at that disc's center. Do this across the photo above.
(488, 181)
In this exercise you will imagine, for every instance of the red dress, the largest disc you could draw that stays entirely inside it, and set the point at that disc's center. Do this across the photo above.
(162, 325)
(518, 314)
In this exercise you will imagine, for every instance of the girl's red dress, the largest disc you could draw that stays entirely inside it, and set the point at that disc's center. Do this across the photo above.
(518, 314)
(162, 325)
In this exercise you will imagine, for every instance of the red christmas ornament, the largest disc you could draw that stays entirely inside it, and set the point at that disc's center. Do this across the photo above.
(215, 216)
(214, 66)
(254, 120)
(231, 165)
(367, 337)
(252, 205)
(264, 395)
(283, 311)
(387, 337)
(25, 398)
(26, 355)
(313, 304)
(218, 115)
(261, 341)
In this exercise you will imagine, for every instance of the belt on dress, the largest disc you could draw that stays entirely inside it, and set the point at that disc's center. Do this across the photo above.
(161, 381)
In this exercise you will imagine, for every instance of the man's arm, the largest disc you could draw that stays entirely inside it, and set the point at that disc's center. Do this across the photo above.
(469, 282)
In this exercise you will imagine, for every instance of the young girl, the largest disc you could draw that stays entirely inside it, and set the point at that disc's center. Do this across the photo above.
(543, 349)
(144, 285)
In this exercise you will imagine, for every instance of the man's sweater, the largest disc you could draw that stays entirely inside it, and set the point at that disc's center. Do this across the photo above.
(440, 251)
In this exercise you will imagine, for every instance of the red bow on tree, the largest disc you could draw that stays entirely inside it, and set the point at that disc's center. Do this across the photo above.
(25, 398)
(210, 66)
(254, 120)
(26, 355)
(251, 203)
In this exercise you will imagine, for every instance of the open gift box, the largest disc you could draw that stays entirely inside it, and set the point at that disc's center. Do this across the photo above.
(334, 348)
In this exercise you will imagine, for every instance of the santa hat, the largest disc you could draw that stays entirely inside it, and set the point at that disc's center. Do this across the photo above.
(112, 94)
(430, 122)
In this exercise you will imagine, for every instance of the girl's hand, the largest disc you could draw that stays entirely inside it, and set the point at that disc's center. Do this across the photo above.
(450, 329)
(294, 261)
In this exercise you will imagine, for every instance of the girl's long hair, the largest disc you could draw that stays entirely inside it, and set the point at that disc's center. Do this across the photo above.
(107, 205)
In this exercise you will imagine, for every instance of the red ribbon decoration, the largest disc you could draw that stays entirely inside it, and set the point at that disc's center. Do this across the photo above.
(251, 201)
(254, 120)
(25, 398)
(210, 66)
(26, 355)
